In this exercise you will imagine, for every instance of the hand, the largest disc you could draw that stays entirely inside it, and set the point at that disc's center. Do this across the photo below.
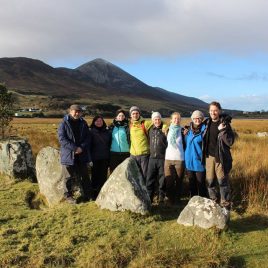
(185, 131)
(221, 126)
(90, 164)
(78, 150)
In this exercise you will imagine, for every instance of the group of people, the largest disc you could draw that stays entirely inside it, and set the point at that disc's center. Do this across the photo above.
(163, 153)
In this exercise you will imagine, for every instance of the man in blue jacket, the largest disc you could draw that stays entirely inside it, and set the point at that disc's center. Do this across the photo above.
(74, 140)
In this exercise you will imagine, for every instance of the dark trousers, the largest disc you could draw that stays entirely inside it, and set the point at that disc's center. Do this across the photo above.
(99, 175)
(142, 162)
(174, 172)
(197, 183)
(116, 159)
(155, 171)
(79, 173)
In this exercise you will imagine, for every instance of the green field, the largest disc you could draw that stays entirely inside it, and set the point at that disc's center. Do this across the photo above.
(84, 236)
(32, 235)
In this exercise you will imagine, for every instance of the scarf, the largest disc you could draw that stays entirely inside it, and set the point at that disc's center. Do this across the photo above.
(123, 123)
(196, 129)
(174, 130)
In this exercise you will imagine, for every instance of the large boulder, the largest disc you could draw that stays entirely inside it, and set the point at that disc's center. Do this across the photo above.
(16, 159)
(204, 213)
(125, 190)
(52, 176)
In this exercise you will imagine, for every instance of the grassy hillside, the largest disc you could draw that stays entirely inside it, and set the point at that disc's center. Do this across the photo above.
(82, 235)
(39, 85)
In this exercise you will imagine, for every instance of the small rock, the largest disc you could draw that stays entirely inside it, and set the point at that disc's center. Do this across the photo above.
(204, 213)
(262, 134)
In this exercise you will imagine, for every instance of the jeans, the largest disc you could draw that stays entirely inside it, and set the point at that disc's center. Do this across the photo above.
(197, 183)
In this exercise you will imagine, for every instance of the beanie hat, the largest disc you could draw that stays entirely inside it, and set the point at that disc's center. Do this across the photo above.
(197, 114)
(156, 114)
(134, 108)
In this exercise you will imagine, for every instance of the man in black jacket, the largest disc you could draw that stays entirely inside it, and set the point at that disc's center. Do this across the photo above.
(218, 137)
(158, 145)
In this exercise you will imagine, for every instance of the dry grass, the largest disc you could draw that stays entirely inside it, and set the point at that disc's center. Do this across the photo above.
(249, 175)
(85, 236)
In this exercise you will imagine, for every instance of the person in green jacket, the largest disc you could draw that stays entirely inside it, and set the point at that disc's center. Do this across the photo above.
(139, 142)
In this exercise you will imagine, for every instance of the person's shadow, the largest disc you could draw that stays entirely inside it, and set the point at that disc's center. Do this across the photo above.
(244, 225)
(250, 223)
(237, 262)
(168, 213)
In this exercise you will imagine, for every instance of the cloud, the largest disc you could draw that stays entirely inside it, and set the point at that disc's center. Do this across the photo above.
(217, 75)
(119, 29)
(243, 102)
(248, 77)
(254, 76)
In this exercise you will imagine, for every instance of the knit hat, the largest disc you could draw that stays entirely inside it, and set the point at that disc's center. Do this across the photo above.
(156, 114)
(197, 114)
(75, 107)
(134, 108)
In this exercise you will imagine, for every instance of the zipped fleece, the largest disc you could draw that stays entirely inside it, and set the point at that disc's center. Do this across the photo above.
(158, 142)
(120, 136)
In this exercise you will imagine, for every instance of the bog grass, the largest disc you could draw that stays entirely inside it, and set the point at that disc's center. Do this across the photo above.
(84, 236)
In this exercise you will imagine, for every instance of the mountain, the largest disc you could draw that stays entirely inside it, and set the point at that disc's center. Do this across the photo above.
(99, 84)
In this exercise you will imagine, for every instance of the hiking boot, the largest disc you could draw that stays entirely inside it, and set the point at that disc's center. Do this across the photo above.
(168, 202)
(161, 200)
(70, 200)
(226, 212)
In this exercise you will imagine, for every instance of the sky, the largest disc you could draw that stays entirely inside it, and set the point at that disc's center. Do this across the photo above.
(208, 49)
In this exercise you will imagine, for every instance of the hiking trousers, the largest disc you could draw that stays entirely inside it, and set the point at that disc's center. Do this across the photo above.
(215, 175)
(142, 162)
(174, 172)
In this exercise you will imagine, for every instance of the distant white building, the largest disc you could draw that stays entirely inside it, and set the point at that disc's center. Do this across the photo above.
(34, 110)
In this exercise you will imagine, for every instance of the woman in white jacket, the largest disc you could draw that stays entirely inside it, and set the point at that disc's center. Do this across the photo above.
(174, 159)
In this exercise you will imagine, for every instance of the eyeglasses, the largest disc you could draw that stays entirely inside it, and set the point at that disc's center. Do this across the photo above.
(197, 118)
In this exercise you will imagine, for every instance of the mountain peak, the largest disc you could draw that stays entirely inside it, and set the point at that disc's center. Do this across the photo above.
(97, 63)
(109, 75)
(100, 61)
